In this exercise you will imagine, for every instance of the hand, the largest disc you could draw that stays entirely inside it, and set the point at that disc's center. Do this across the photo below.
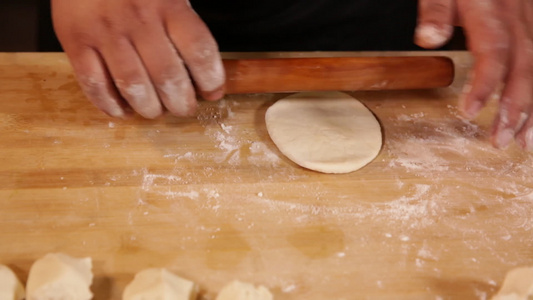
(500, 36)
(141, 54)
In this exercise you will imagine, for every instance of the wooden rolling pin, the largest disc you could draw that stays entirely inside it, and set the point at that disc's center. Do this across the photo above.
(340, 73)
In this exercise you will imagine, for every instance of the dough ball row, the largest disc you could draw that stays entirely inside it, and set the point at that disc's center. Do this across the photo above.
(57, 276)
(162, 284)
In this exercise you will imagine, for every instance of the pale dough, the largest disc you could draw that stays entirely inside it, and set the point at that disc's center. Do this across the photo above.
(159, 284)
(517, 285)
(58, 276)
(10, 286)
(329, 132)
(238, 290)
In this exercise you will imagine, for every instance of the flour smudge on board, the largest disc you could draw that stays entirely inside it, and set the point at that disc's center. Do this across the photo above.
(431, 193)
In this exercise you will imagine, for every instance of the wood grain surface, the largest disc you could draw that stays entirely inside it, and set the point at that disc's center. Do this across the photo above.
(439, 214)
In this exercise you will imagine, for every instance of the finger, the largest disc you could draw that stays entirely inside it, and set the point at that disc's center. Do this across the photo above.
(528, 10)
(435, 19)
(95, 81)
(489, 43)
(131, 78)
(525, 135)
(512, 115)
(517, 98)
(523, 70)
(166, 70)
(198, 49)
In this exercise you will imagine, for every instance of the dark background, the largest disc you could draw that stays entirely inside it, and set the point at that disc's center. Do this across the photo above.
(25, 26)
(19, 25)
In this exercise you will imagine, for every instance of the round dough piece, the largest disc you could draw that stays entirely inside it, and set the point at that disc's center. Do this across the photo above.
(159, 284)
(10, 286)
(329, 132)
(238, 290)
(59, 276)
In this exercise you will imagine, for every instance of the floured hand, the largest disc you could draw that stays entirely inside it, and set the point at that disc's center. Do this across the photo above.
(140, 54)
(500, 36)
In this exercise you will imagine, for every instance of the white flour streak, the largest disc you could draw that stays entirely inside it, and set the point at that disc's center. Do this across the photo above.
(260, 154)
(289, 288)
(188, 156)
(150, 180)
(412, 117)
(226, 142)
(190, 195)
(426, 253)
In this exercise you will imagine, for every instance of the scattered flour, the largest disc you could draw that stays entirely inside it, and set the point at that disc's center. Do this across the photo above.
(438, 195)
(426, 253)
(260, 154)
(289, 288)
(150, 180)
(188, 156)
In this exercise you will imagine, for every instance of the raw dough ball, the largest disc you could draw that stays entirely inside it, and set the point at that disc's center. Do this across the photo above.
(159, 284)
(329, 132)
(10, 286)
(518, 285)
(58, 276)
(244, 291)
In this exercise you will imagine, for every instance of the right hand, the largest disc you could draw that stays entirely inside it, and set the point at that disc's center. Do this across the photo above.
(141, 54)
(500, 36)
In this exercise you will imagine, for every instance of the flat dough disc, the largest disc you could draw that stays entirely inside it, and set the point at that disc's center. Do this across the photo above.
(329, 132)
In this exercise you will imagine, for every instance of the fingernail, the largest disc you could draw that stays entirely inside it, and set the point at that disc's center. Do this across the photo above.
(522, 120)
(115, 111)
(216, 95)
(471, 109)
(504, 114)
(504, 138)
(117, 114)
(467, 88)
(432, 35)
(529, 139)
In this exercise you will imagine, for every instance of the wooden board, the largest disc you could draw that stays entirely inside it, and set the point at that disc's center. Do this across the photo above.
(439, 214)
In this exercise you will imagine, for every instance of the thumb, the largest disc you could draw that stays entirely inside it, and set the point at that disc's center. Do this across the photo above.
(435, 19)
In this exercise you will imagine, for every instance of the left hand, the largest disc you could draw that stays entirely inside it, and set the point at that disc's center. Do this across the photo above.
(500, 36)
